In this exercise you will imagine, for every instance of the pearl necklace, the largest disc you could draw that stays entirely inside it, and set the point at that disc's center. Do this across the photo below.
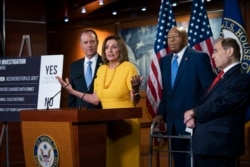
(105, 86)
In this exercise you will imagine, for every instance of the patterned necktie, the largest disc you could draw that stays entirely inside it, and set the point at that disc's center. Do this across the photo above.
(216, 80)
(88, 76)
(174, 69)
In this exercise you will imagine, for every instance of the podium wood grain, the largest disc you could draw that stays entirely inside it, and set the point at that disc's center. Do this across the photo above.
(80, 136)
(61, 134)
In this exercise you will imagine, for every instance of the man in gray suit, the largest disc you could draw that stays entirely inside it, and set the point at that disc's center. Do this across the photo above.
(219, 117)
(78, 69)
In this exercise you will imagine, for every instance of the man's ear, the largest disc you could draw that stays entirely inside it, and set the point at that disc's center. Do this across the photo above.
(230, 51)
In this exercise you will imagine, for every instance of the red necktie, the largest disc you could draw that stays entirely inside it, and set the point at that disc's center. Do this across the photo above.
(216, 80)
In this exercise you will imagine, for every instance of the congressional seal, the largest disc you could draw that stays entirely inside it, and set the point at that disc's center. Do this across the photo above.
(231, 28)
(46, 152)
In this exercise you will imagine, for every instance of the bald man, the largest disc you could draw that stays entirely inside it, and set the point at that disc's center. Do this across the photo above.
(182, 88)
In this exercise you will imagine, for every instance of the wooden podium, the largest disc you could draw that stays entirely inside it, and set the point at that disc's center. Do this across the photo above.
(80, 136)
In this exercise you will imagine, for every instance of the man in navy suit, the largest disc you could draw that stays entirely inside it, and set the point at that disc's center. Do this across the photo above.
(194, 75)
(219, 117)
(88, 44)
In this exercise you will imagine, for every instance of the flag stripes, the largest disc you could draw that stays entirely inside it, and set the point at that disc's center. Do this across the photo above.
(154, 86)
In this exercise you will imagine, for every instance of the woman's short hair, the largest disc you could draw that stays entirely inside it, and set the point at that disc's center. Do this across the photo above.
(123, 55)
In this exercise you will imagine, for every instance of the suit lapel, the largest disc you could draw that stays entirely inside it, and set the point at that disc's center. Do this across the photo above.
(221, 82)
(168, 72)
(182, 66)
(98, 64)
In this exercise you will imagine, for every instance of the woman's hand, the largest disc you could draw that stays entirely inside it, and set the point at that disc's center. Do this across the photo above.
(136, 83)
(65, 84)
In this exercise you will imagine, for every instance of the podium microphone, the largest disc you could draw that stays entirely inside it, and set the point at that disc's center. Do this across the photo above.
(50, 99)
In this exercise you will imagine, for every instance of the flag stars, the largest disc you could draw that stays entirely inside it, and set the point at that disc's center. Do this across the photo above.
(165, 22)
(199, 29)
(160, 49)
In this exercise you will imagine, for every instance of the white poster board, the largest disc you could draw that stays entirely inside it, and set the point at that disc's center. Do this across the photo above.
(51, 66)
(29, 83)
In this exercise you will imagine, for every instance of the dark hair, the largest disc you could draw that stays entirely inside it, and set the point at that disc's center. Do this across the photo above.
(231, 42)
(89, 31)
(123, 55)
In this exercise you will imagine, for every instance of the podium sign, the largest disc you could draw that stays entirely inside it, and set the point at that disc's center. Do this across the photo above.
(29, 83)
(68, 137)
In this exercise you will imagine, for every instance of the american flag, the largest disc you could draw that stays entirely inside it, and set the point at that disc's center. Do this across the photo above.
(166, 21)
(200, 35)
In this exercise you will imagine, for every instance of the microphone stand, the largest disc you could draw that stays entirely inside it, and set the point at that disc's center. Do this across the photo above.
(50, 99)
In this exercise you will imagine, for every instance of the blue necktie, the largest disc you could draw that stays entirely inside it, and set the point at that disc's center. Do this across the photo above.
(88, 76)
(174, 69)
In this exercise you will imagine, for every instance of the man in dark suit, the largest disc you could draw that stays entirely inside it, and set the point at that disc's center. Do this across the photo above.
(194, 75)
(78, 69)
(219, 117)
